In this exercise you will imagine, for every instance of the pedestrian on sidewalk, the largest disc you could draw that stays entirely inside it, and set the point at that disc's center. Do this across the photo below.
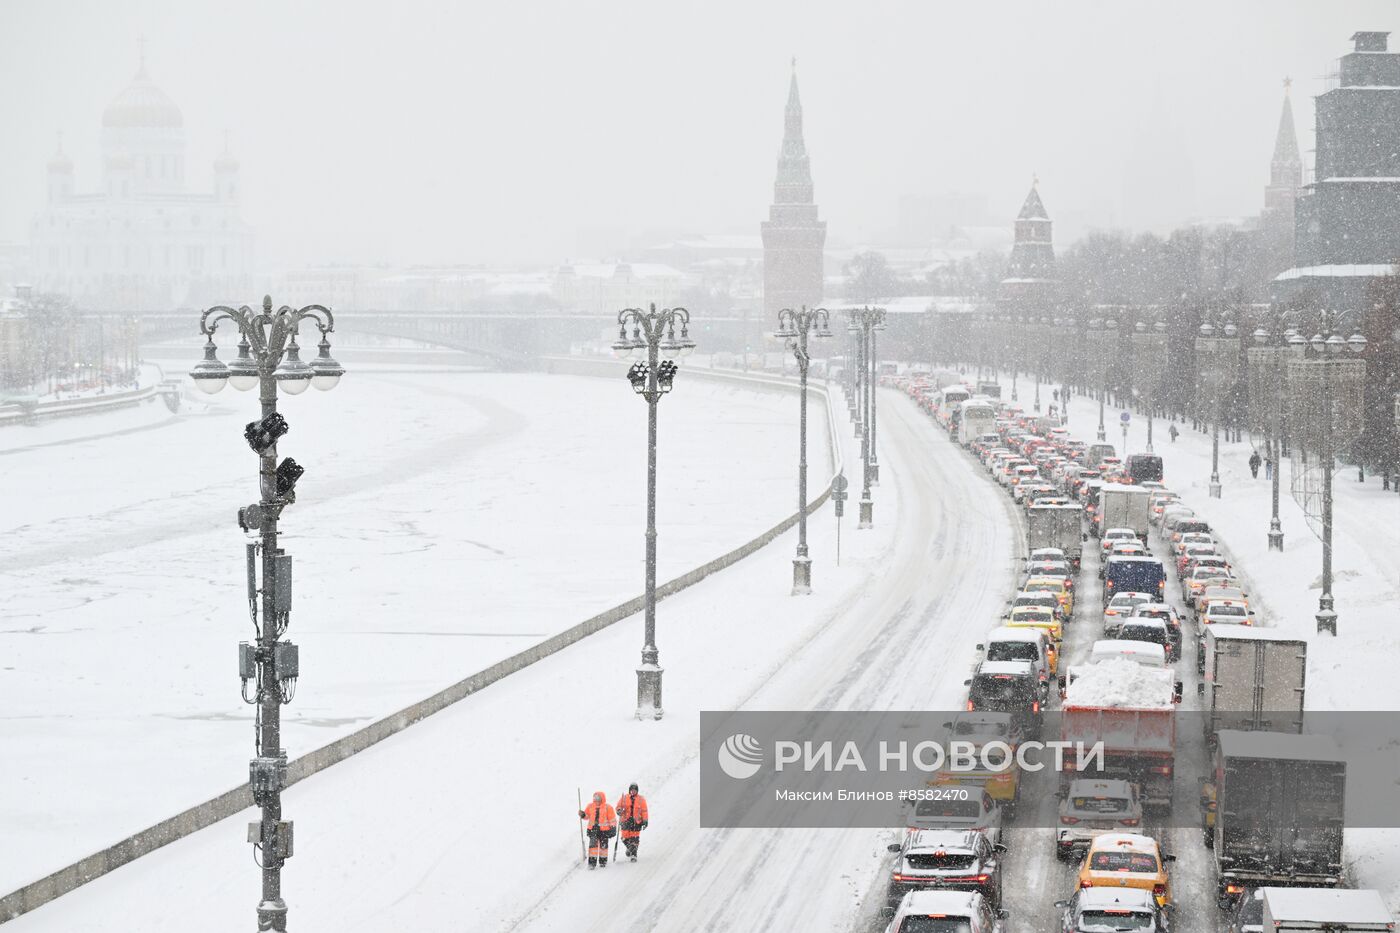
(633, 815)
(601, 823)
(1269, 467)
(1254, 461)
(1173, 432)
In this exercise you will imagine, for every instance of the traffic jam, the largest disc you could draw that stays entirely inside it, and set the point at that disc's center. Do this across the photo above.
(1125, 597)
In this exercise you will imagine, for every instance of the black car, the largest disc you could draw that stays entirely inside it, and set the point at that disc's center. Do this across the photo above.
(1011, 687)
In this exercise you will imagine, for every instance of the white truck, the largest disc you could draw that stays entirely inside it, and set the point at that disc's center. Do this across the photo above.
(1253, 680)
(979, 416)
(1337, 911)
(1057, 526)
(1123, 506)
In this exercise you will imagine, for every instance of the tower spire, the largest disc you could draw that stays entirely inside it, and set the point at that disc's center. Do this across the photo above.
(793, 235)
(1287, 163)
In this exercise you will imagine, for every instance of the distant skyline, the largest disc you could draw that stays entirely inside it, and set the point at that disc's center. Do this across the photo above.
(444, 133)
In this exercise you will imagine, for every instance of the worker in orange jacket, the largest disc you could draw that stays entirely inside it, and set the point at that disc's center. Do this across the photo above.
(602, 826)
(632, 812)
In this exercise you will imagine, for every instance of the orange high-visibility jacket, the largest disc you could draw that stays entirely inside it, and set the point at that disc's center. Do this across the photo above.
(600, 814)
(633, 809)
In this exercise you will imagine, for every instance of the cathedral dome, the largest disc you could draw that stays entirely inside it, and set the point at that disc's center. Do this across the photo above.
(142, 104)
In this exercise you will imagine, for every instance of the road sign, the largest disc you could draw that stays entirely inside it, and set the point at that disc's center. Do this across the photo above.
(838, 486)
(1125, 417)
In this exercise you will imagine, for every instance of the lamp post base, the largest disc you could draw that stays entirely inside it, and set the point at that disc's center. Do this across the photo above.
(1214, 489)
(1101, 437)
(801, 576)
(867, 514)
(1276, 538)
(649, 691)
(272, 915)
(1326, 622)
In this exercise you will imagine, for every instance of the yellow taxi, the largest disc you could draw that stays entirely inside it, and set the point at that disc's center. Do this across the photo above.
(1002, 785)
(1061, 587)
(1043, 619)
(1127, 860)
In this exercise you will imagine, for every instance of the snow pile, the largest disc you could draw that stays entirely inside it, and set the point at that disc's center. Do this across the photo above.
(1120, 683)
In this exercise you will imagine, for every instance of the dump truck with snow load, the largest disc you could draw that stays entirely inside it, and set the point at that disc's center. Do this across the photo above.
(1057, 526)
(1293, 910)
(1123, 506)
(1253, 680)
(1131, 709)
(1273, 809)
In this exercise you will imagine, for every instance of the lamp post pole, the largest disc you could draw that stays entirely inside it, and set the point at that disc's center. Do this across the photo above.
(863, 323)
(859, 412)
(653, 332)
(1329, 345)
(794, 327)
(1015, 342)
(874, 401)
(1278, 341)
(1220, 350)
(269, 359)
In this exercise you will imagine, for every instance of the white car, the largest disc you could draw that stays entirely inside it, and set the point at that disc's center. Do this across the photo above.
(1112, 536)
(946, 912)
(1122, 605)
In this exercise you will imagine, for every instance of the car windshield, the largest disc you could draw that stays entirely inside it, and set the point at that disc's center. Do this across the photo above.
(1142, 633)
(940, 860)
(1123, 861)
(981, 727)
(1102, 921)
(1122, 601)
(1043, 586)
(935, 925)
(1012, 651)
(1100, 804)
(948, 809)
(1227, 610)
(999, 690)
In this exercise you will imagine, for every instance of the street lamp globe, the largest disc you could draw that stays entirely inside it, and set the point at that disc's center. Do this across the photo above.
(293, 375)
(326, 372)
(1207, 329)
(1261, 336)
(1356, 343)
(1318, 342)
(243, 372)
(210, 375)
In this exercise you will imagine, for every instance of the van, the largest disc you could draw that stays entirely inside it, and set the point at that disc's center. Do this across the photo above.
(1009, 643)
(1145, 468)
(1096, 452)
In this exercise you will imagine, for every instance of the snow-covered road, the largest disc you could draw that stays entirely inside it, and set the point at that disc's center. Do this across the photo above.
(466, 821)
(423, 555)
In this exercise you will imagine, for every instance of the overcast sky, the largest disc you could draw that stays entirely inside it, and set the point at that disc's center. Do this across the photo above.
(496, 132)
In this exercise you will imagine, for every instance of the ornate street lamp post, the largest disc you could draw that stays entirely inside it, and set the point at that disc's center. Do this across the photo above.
(794, 327)
(863, 323)
(1217, 363)
(653, 332)
(1327, 391)
(1274, 344)
(1149, 360)
(268, 358)
(1102, 337)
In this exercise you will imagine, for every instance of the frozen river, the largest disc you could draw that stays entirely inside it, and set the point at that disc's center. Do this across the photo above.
(445, 520)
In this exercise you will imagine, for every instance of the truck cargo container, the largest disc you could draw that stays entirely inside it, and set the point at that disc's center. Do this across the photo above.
(1057, 526)
(1124, 507)
(1287, 910)
(1253, 680)
(1273, 810)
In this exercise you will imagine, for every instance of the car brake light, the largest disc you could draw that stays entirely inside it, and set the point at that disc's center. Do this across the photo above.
(1086, 883)
(1161, 769)
(1069, 820)
(1127, 822)
(1159, 889)
(1035, 706)
(969, 706)
(1234, 888)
